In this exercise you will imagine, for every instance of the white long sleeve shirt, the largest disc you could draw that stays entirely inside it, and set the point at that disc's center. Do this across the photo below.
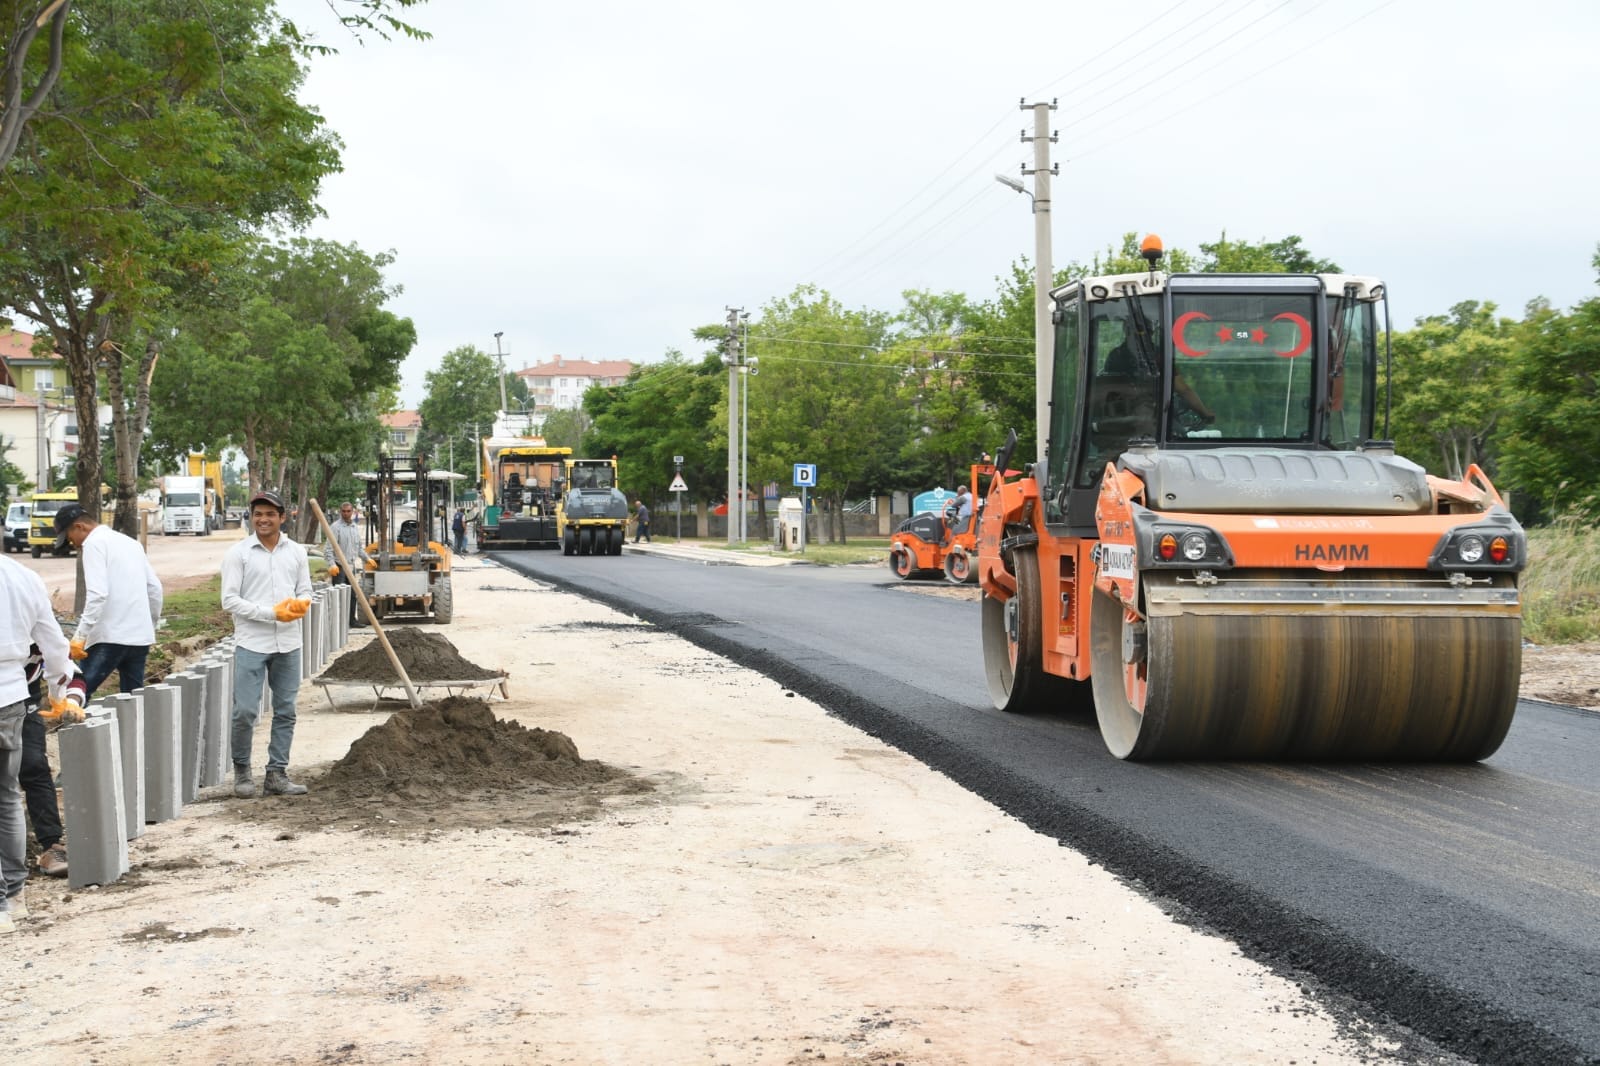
(26, 619)
(122, 595)
(254, 581)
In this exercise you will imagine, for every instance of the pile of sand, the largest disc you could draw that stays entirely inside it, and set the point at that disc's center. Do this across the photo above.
(426, 656)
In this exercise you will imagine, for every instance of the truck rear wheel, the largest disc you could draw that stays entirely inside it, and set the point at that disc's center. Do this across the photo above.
(443, 600)
(569, 542)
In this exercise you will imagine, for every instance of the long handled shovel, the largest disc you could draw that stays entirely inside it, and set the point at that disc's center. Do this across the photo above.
(366, 608)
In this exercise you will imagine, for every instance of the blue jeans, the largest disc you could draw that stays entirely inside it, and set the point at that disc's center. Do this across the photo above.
(126, 659)
(13, 834)
(281, 672)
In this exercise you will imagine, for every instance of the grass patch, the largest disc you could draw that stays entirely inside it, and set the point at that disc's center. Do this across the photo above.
(1561, 586)
(191, 615)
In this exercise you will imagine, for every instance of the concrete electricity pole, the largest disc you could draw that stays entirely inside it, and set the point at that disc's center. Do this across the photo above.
(731, 356)
(1043, 270)
(500, 361)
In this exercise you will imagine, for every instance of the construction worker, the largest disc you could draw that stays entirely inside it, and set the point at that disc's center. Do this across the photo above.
(121, 604)
(25, 620)
(347, 533)
(266, 586)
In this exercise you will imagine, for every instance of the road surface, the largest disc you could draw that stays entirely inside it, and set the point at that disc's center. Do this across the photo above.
(1460, 901)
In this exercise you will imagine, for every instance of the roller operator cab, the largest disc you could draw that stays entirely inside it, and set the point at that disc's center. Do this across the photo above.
(1220, 557)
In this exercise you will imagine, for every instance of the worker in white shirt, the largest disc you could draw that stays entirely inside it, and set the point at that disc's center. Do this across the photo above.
(25, 620)
(266, 586)
(347, 531)
(121, 602)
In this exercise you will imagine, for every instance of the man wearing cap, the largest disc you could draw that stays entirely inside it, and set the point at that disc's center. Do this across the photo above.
(266, 586)
(121, 601)
(347, 532)
(25, 620)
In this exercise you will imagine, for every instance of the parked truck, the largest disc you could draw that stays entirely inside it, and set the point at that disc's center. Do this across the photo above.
(210, 471)
(184, 506)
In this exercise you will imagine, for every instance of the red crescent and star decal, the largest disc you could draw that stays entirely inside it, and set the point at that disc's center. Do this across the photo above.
(1305, 333)
(1182, 324)
(1226, 334)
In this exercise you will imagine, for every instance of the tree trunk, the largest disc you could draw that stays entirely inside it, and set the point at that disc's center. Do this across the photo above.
(127, 427)
(302, 486)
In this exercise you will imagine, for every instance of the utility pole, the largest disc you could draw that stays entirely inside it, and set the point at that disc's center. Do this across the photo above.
(500, 361)
(731, 356)
(747, 366)
(1043, 273)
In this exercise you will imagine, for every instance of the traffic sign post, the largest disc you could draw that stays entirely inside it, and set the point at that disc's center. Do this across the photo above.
(680, 488)
(805, 476)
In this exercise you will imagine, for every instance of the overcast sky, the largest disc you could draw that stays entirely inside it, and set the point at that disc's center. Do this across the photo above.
(597, 180)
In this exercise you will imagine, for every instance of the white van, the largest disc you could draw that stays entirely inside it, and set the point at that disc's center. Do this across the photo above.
(16, 533)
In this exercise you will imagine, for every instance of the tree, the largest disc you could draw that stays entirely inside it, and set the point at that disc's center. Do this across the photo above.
(26, 78)
(291, 357)
(174, 129)
(1551, 447)
(566, 429)
(663, 409)
(952, 425)
(1448, 387)
(1284, 256)
(463, 394)
(827, 394)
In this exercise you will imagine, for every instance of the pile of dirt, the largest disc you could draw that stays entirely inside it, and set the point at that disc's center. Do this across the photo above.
(459, 744)
(426, 657)
(453, 765)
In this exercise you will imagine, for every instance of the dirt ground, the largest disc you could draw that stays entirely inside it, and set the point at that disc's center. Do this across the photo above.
(644, 854)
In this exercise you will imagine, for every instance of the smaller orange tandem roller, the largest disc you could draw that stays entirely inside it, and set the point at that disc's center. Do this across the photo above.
(1216, 549)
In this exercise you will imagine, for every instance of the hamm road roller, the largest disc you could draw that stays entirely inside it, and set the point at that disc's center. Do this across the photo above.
(1216, 550)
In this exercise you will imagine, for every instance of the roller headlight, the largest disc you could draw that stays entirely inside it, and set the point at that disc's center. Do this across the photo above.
(1470, 548)
(1195, 547)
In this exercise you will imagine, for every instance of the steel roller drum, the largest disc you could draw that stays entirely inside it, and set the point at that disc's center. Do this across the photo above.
(1379, 666)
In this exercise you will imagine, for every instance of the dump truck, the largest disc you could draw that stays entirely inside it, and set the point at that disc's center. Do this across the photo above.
(407, 573)
(185, 506)
(214, 491)
(1216, 548)
(524, 481)
(935, 544)
(594, 513)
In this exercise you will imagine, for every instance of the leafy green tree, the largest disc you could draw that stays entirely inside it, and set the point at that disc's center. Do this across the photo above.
(27, 76)
(463, 394)
(952, 425)
(1551, 447)
(178, 129)
(566, 429)
(828, 394)
(663, 409)
(1449, 387)
(291, 357)
(1286, 256)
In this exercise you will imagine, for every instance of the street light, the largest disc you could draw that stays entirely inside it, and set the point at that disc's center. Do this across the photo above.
(500, 360)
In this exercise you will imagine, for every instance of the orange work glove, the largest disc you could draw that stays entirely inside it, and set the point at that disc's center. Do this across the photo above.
(333, 571)
(65, 710)
(77, 650)
(289, 610)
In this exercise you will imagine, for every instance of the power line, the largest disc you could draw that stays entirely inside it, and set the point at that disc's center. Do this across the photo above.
(1230, 86)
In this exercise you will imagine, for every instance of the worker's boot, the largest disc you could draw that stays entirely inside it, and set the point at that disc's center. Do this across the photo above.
(244, 786)
(278, 784)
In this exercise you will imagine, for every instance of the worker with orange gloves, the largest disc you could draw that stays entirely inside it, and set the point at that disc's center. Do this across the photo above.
(347, 534)
(266, 586)
(25, 620)
(121, 600)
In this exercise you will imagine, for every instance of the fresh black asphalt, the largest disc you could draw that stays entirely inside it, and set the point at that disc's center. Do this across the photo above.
(1452, 907)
